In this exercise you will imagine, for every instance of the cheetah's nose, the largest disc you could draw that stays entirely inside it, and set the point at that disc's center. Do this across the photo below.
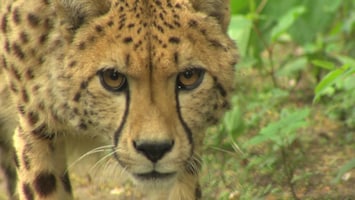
(154, 151)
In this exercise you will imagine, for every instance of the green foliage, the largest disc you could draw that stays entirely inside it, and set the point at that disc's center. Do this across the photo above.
(345, 168)
(283, 132)
(294, 55)
(338, 85)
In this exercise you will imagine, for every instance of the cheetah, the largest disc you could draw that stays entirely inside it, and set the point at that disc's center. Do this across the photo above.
(143, 78)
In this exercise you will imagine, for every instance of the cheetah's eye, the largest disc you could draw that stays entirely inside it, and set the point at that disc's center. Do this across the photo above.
(189, 79)
(112, 80)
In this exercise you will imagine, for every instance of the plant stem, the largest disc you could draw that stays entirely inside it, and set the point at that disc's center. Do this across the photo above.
(289, 172)
(270, 55)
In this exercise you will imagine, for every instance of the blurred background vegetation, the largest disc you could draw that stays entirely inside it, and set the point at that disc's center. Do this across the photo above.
(290, 133)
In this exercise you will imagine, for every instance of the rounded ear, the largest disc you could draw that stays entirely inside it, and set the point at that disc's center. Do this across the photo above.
(220, 9)
(74, 13)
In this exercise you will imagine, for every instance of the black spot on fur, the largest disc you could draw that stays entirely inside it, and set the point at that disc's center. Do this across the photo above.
(72, 63)
(15, 73)
(161, 16)
(176, 23)
(174, 40)
(83, 126)
(3, 62)
(110, 23)
(139, 30)
(219, 87)
(170, 26)
(215, 43)
(18, 51)
(84, 85)
(99, 28)
(193, 23)
(77, 97)
(160, 28)
(158, 3)
(82, 46)
(41, 133)
(198, 192)
(45, 184)
(32, 118)
(222, 91)
(226, 105)
(7, 46)
(21, 109)
(13, 87)
(25, 158)
(26, 188)
(66, 183)
(127, 40)
(16, 16)
(25, 97)
(92, 38)
(131, 25)
(3, 25)
(33, 20)
(48, 24)
(24, 37)
(212, 120)
(35, 88)
(43, 38)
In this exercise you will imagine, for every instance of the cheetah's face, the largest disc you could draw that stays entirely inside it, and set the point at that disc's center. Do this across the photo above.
(151, 82)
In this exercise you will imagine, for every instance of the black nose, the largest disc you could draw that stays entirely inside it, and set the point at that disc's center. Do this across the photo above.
(154, 151)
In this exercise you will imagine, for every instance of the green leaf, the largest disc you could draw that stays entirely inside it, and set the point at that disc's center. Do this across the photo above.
(345, 60)
(324, 64)
(327, 81)
(286, 22)
(233, 122)
(239, 30)
(238, 6)
(317, 18)
(282, 132)
(292, 67)
(345, 168)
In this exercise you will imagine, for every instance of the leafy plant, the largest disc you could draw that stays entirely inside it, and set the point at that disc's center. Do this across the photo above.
(339, 79)
(291, 52)
(282, 134)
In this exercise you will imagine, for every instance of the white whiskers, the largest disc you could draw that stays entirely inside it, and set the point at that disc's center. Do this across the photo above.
(107, 148)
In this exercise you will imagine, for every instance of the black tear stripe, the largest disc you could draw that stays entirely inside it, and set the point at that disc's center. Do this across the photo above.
(186, 128)
(123, 121)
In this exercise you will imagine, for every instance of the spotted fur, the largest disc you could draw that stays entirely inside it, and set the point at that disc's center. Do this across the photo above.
(53, 56)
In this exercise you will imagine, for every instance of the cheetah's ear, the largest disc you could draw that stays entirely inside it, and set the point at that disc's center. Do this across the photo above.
(220, 9)
(74, 13)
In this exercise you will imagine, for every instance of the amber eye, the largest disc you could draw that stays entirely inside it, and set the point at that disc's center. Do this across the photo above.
(189, 79)
(112, 80)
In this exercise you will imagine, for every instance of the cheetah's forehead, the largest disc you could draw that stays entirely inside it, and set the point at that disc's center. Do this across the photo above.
(157, 34)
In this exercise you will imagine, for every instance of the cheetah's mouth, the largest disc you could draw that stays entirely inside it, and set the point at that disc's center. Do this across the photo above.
(154, 175)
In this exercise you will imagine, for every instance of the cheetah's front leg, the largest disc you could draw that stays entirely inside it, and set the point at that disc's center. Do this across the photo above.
(41, 166)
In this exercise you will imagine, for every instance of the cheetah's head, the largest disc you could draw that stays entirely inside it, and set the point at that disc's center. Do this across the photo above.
(150, 76)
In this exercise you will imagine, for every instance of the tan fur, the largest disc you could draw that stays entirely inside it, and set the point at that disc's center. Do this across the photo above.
(52, 54)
